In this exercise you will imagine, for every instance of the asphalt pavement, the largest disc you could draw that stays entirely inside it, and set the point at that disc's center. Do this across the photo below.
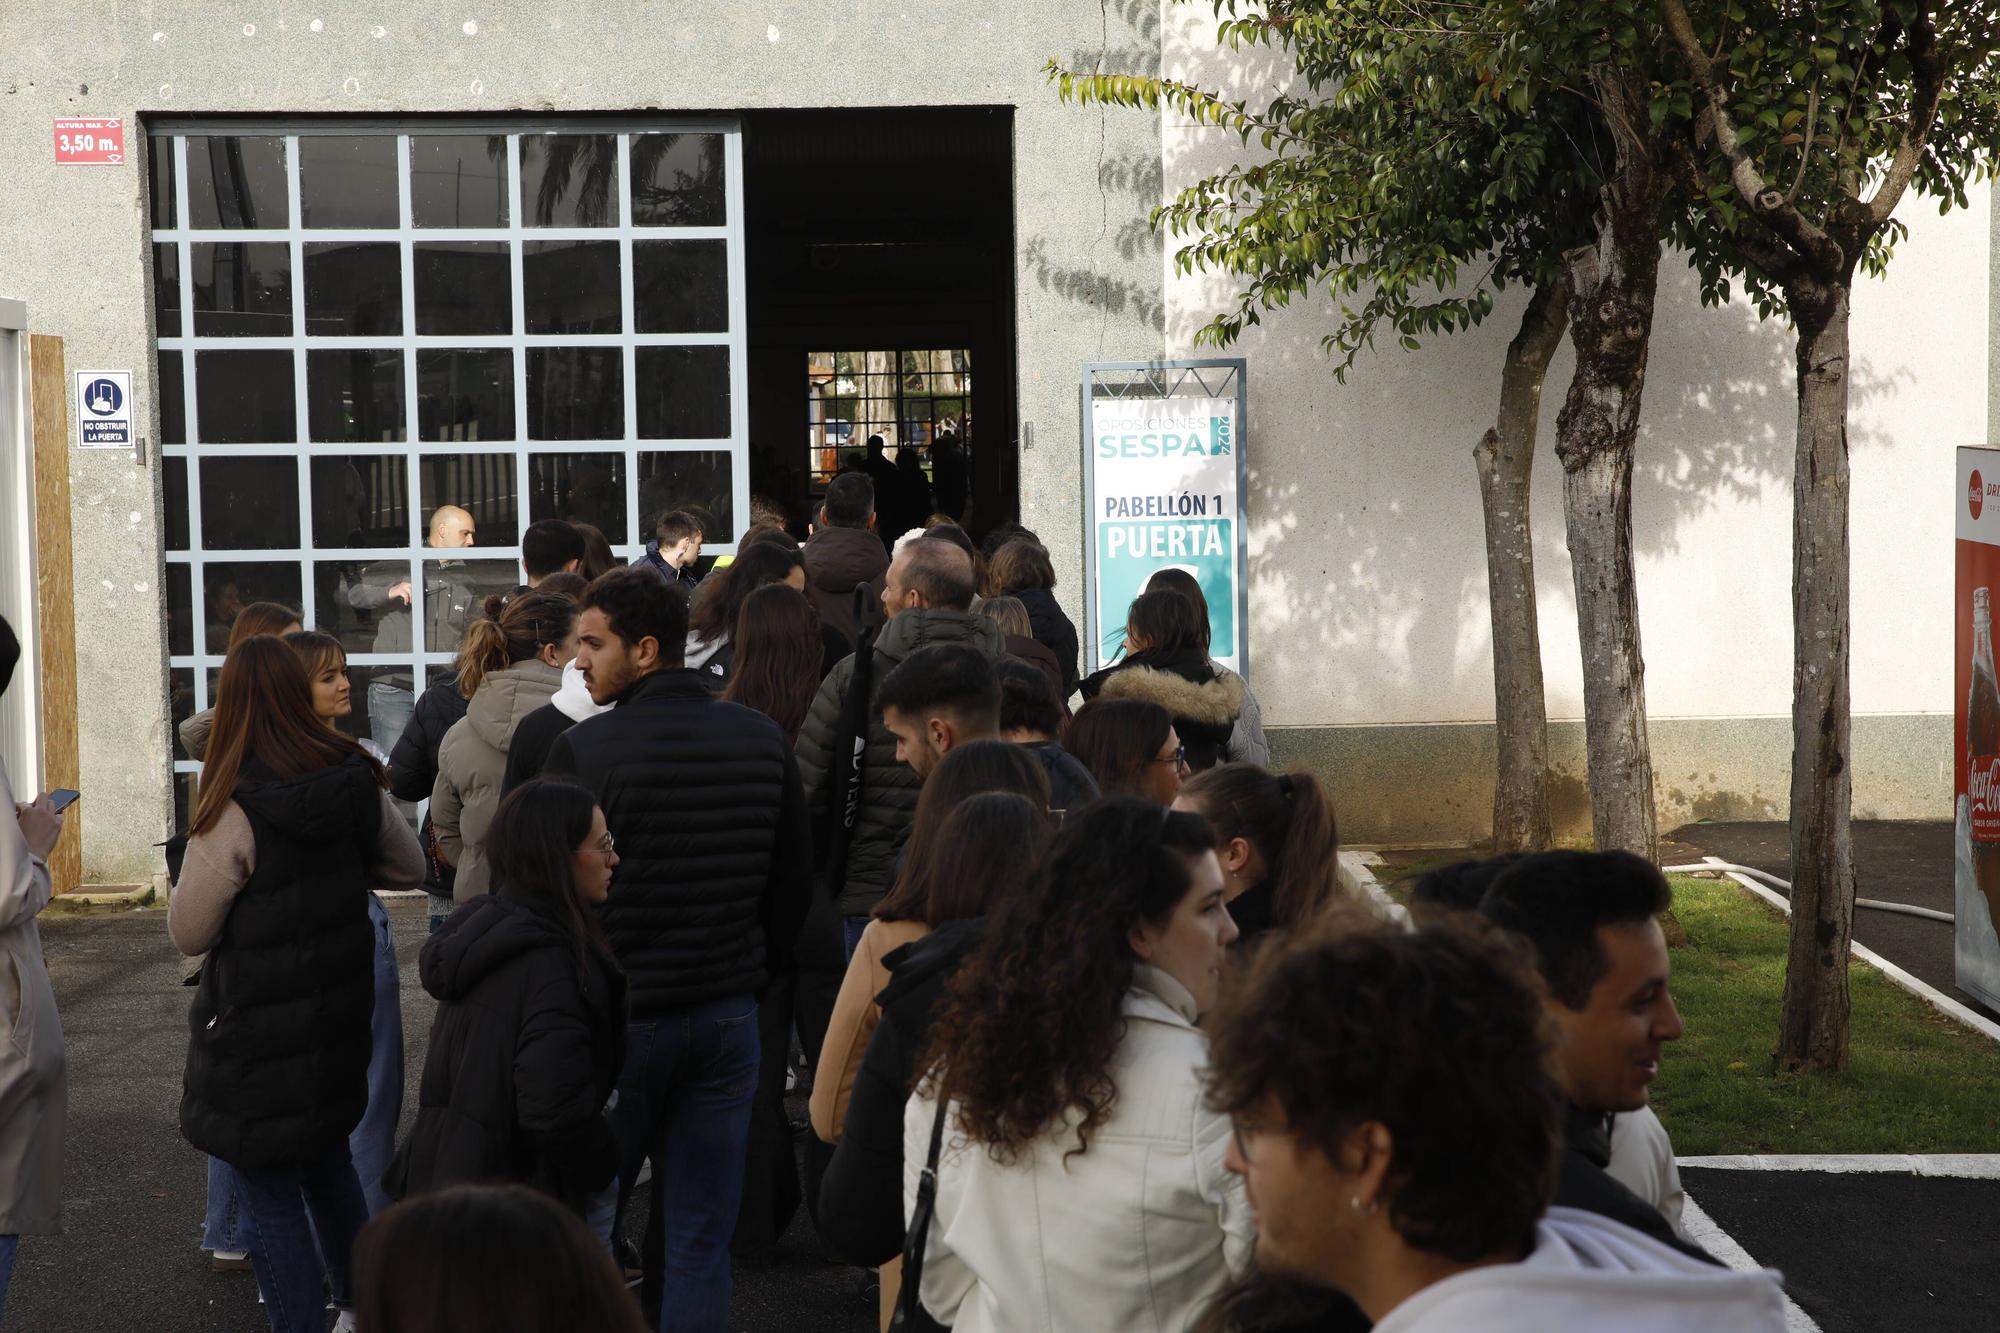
(129, 1257)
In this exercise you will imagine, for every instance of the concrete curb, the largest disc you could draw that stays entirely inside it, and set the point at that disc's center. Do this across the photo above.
(1960, 1166)
(1357, 878)
(105, 898)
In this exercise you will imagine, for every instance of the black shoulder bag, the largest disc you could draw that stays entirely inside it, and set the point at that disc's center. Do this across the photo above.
(848, 763)
(910, 1316)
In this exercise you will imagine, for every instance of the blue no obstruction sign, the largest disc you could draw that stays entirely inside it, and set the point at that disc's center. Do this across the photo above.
(104, 409)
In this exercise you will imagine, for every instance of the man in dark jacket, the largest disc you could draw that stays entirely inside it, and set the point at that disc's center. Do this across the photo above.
(413, 769)
(927, 594)
(674, 550)
(843, 554)
(1593, 920)
(713, 881)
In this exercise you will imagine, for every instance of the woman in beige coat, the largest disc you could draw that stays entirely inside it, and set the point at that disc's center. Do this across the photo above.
(509, 665)
(34, 1092)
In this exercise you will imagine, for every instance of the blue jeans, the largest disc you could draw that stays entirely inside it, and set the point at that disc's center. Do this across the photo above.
(305, 1220)
(227, 1226)
(850, 933)
(8, 1244)
(684, 1101)
(390, 708)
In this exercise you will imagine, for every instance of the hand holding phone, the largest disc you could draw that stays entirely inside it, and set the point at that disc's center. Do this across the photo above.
(62, 798)
(40, 825)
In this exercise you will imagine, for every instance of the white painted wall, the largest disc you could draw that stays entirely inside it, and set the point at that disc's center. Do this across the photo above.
(1369, 588)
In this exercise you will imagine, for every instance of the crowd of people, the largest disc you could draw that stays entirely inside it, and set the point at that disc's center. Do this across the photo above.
(1095, 1033)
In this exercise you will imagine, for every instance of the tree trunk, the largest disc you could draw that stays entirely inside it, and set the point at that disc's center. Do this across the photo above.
(1505, 456)
(1612, 282)
(1812, 1031)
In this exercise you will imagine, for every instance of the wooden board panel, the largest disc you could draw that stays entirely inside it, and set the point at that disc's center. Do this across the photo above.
(60, 762)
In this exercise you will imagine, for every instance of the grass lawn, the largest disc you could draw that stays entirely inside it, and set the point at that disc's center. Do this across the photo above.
(1916, 1081)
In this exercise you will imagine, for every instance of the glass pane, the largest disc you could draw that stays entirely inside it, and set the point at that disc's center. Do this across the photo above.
(160, 184)
(231, 587)
(360, 501)
(697, 480)
(180, 707)
(180, 610)
(354, 396)
(242, 290)
(576, 393)
(348, 181)
(683, 392)
(249, 504)
(353, 288)
(167, 290)
(579, 488)
(173, 473)
(458, 180)
(677, 180)
(567, 180)
(371, 600)
(680, 286)
(463, 287)
(465, 395)
(237, 181)
(173, 400)
(454, 590)
(245, 397)
(481, 486)
(382, 700)
(570, 287)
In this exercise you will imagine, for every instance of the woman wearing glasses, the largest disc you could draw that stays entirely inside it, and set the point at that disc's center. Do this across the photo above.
(1131, 747)
(1080, 1179)
(530, 1028)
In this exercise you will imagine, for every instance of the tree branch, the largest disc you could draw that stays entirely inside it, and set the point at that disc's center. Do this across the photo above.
(1777, 262)
(1927, 87)
(1766, 203)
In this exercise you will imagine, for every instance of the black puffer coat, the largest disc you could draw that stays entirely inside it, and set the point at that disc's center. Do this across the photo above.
(277, 1062)
(1054, 630)
(525, 1050)
(413, 768)
(715, 852)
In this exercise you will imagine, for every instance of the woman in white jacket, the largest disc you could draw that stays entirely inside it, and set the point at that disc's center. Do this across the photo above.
(1081, 1183)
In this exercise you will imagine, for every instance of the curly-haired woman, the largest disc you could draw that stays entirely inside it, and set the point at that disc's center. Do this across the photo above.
(1081, 1183)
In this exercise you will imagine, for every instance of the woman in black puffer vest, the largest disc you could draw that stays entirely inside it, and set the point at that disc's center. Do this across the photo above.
(292, 829)
(530, 1029)
(1166, 662)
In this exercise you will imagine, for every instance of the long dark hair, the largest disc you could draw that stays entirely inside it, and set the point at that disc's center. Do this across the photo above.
(264, 711)
(510, 632)
(500, 1259)
(756, 564)
(1029, 1027)
(976, 766)
(778, 656)
(1115, 739)
(984, 855)
(531, 845)
(1171, 579)
(597, 554)
(1165, 621)
(262, 618)
(1288, 818)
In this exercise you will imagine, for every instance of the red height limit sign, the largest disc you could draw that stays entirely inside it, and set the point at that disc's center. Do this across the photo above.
(84, 142)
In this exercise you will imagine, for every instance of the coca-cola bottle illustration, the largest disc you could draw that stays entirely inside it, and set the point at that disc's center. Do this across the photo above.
(1982, 754)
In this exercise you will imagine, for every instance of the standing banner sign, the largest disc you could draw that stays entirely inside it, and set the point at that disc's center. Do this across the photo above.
(1164, 485)
(1976, 738)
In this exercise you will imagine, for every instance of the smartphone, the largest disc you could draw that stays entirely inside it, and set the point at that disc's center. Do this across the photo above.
(62, 798)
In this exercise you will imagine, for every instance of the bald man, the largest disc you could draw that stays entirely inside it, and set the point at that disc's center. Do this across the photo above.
(383, 590)
(927, 595)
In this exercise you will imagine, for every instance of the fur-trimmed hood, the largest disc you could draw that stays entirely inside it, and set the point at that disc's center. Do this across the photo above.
(1213, 703)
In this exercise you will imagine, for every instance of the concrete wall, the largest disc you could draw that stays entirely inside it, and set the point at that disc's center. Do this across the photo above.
(73, 239)
(1369, 603)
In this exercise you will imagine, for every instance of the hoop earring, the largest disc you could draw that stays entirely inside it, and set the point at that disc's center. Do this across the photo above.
(1366, 1210)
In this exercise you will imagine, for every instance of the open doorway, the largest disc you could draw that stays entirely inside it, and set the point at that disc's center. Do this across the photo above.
(880, 273)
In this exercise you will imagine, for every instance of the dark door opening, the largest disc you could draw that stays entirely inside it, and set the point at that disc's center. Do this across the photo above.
(879, 256)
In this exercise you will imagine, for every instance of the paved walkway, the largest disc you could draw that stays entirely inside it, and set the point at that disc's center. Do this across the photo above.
(135, 1190)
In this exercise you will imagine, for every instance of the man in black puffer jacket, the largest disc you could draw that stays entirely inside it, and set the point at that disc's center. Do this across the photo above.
(713, 882)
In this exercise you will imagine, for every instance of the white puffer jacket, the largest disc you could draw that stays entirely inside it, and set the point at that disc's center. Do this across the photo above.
(1135, 1234)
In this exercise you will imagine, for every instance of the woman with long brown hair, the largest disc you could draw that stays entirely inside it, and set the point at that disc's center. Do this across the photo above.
(292, 829)
(715, 608)
(1080, 1172)
(510, 663)
(1022, 569)
(1130, 747)
(778, 655)
(273, 618)
(1246, 743)
(1276, 840)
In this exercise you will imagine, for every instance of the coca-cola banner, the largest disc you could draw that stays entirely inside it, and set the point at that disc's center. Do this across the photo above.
(1976, 749)
(1163, 480)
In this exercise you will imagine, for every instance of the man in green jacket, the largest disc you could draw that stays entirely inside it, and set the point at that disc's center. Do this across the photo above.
(927, 595)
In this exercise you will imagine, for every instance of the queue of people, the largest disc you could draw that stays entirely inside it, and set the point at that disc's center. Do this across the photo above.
(1095, 1034)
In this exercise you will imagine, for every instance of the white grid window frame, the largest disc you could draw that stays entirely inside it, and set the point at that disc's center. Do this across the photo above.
(172, 136)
